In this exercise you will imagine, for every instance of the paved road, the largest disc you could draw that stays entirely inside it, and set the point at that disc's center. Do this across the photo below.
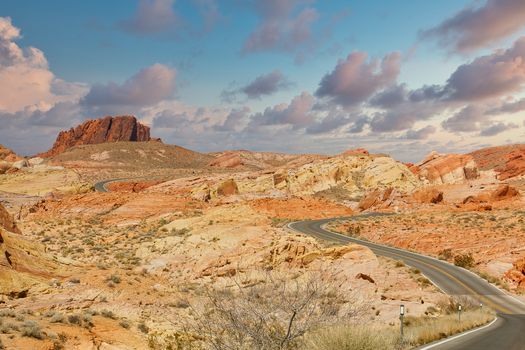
(101, 186)
(507, 333)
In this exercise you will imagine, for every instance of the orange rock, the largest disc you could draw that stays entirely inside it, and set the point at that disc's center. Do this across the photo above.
(8, 155)
(447, 168)
(227, 160)
(503, 192)
(7, 221)
(107, 129)
(507, 161)
(132, 186)
(355, 152)
(376, 198)
(428, 195)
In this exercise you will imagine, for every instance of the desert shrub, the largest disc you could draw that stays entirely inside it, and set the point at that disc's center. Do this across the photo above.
(32, 329)
(108, 314)
(445, 254)
(57, 317)
(399, 263)
(74, 319)
(274, 313)
(114, 278)
(354, 230)
(124, 324)
(352, 337)
(465, 260)
(143, 328)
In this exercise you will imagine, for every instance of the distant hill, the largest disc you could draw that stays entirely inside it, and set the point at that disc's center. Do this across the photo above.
(126, 154)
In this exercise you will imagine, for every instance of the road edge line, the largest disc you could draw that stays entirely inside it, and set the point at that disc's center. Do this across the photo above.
(446, 340)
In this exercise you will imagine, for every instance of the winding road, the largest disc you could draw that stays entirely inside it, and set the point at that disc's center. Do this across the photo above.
(506, 333)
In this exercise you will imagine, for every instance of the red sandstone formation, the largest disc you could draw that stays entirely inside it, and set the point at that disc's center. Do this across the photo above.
(7, 155)
(355, 152)
(507, 161)
(107, 129)
(447, 168)
(227, 160)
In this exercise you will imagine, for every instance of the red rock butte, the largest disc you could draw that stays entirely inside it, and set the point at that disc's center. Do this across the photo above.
(107, 129)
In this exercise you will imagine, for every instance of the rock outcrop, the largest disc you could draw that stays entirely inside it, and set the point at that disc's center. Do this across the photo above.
(507, 161)
(428, 196)
(22, 263)
(502, 192)
(440, 169)
(377, 199)
(107, 129)
(6, 220)
(8, 155)
(227, 160)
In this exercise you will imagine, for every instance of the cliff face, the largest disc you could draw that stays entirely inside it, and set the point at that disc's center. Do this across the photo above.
(107, 129)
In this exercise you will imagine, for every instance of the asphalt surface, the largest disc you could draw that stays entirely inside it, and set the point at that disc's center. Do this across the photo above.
(507, 333)
(101, 186)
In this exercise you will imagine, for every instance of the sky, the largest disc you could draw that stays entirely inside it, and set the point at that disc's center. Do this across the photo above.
(301, 76)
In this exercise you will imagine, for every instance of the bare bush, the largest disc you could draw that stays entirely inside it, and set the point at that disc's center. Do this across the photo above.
(271, 312)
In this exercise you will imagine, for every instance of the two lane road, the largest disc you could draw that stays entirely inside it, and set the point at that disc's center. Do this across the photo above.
(507, 333)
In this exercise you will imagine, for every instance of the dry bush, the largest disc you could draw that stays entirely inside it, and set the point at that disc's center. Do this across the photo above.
(465, 260)
(424, 330)
(353, 337)
(272, 311)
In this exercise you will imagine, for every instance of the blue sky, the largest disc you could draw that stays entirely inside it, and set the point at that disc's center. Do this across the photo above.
(204, 50)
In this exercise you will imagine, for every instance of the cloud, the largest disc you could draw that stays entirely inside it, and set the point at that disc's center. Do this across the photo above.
(420, 134)
(26, 79)
(331, 122)
(152, 17)
(359, 125)
(296, 113)
(149, 86)
(235, 121)
(497, 128)
(355, 79)
(468, 119)
(264, 85)
(390, 97)
(476, 27)
(280, 28)
(509, 107)
(489, 76)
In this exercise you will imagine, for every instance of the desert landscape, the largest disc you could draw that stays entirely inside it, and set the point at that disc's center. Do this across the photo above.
(139, 262)
(262, 175)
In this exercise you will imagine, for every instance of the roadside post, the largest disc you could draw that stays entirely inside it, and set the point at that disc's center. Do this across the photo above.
(459, 313)
(401, 316)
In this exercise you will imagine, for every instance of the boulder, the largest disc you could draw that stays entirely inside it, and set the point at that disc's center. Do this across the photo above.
(35, 161)
(107, 129)
(20, 164)
(428, 195)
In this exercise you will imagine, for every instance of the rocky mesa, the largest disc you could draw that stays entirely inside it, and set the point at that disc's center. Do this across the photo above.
(107, 129)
